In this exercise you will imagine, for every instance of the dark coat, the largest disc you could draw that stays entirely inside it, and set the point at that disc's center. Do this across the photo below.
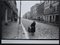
(33, 27)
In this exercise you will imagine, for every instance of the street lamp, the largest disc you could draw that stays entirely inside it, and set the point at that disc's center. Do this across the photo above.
(20, 14)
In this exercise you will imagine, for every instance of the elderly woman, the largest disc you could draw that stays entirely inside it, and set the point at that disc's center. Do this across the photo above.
(33, 28)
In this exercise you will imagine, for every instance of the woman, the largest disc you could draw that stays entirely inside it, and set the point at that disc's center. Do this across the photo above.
(33, 28)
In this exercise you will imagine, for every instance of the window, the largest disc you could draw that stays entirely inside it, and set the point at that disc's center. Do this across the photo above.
(50, 5)
(46, 2)
(52, 1)
(55, 1)
(54, 9)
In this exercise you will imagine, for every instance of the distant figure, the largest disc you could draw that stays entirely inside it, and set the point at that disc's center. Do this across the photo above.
(33, 27)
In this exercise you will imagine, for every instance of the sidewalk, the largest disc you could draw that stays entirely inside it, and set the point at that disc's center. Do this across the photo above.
(26, 34)
(20, 33)
(12, 31)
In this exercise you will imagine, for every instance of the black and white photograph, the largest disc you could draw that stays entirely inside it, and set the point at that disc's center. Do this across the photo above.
(29, 20)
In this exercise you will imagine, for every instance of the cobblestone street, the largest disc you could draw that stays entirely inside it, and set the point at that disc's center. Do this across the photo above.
(43, 31)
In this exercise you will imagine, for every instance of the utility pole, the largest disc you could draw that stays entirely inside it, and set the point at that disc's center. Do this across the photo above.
(19, 21)
(20, 14)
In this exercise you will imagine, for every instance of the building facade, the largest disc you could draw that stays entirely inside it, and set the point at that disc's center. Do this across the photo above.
(40, 11)
(51, 11)
(47, 11)
(34, 11)
(9, 11)
(27, 15)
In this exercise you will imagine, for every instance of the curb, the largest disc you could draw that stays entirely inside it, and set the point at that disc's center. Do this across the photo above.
(26, 33)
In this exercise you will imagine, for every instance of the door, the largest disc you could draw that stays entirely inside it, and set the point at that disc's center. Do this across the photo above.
(57, 18)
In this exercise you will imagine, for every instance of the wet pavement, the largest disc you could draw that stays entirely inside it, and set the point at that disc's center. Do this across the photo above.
(12, 31)
(43, 31)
